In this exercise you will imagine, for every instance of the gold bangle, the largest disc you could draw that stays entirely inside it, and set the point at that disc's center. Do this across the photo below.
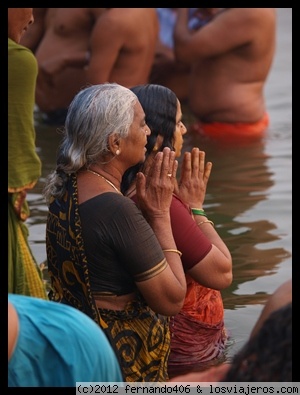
(206, 222)
(173, 250)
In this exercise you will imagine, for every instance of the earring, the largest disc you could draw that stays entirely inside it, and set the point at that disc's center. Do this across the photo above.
(118, 152)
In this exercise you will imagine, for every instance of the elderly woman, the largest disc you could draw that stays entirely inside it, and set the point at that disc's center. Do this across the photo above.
(104, 257)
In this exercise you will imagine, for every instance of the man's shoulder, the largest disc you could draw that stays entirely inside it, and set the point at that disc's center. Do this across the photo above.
(125, 16)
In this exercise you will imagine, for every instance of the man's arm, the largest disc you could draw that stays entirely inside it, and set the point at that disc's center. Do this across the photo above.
(105, 44)
(228, 29)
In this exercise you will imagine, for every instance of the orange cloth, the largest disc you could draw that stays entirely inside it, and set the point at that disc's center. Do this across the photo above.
(197, 332)
(203, 304)
(232, 131)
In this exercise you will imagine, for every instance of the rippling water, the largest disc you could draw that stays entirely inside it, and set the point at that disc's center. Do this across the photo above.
(249, 198)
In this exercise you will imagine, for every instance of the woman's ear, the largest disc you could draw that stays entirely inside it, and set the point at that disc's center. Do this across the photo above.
(114, 144)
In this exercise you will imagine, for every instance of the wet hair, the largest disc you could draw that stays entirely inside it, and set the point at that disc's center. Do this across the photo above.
(267, 356)
(96, 113)
(160, 106)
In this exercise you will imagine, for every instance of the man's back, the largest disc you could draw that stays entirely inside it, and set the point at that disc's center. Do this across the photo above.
(124, 41)
(231, 57)
(84, 46)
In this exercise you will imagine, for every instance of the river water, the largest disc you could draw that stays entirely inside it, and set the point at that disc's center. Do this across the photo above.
(249, 197)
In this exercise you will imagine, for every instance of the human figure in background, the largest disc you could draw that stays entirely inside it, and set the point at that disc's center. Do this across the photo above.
(267, 355)
(198, 334)
(24, 164)
(82, 46)
(117, 263)
(35, 34)
(230, 59)
(55, 345)
(282, 296)
(166, 70)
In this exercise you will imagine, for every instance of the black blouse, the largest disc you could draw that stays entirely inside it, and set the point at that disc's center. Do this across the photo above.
(120, 245)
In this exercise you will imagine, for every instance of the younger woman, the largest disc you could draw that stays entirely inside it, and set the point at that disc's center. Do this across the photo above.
(197, 333)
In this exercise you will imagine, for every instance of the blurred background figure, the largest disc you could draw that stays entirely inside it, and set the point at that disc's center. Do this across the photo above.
(282, 296)
(167, 70)
(24, 164)
(55, 345)
(80, 46)
(267, 356)
(230, 58)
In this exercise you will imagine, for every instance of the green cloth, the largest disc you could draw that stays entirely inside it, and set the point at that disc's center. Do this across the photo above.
(24, 275)
(24, 169)
(24, 165)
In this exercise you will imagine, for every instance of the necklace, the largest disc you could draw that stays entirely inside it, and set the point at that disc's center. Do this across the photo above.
(105, 179)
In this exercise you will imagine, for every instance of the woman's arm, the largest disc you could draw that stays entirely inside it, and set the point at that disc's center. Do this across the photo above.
(193, 230)
(154, 195)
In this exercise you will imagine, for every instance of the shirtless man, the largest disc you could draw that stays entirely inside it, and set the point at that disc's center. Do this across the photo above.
(83, 46)
(231, 57)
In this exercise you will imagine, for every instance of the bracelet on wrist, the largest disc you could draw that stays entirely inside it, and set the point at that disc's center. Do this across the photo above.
(206, 222)
(198, 211)
(173, 250)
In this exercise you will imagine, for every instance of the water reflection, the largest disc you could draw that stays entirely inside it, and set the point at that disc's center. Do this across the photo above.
(238, 192)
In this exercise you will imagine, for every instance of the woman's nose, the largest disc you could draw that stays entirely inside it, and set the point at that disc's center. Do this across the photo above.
(183, 128)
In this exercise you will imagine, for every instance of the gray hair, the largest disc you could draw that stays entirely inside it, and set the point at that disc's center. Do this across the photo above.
(95, 113)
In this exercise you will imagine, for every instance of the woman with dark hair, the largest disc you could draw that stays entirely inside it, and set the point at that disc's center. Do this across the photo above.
(198, 334)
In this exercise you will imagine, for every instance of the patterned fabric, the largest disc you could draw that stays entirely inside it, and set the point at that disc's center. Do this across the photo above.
(140, 337)
(24, 275)
(67, 263)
